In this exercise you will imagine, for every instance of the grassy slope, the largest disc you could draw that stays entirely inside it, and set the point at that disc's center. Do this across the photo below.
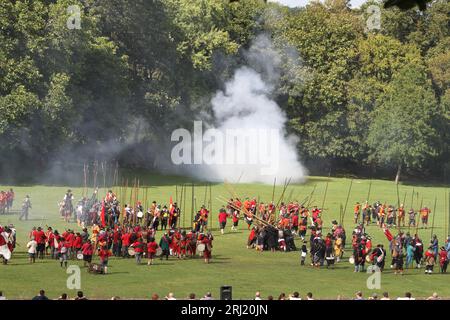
(246, 270)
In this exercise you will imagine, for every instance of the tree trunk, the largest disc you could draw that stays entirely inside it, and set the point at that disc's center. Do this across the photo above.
(397, 176)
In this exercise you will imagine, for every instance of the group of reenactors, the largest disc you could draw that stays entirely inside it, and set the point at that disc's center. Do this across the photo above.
(120, 241)
(389, 215)
(6, 201)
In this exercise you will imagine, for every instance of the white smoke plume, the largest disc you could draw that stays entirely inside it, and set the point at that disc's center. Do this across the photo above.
(246, 105)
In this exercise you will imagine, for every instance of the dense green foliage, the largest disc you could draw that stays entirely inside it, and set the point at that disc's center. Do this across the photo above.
(137, 69)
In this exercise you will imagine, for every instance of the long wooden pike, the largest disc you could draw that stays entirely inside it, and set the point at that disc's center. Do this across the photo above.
(184, 205)
(311, 196)
(85, 180)
(368, 193)
(446, 214)
(110, 174)
(419, 216)
(192, 206)
(211, 205)
(432, 219)
(104, 177)
(145, 206)
(398, 206)
(340, 215)
(412, 198)
(346, 201)
(325, 193)
(180, 205)
(206, 193)
(448, 211)
(273, 190)
(286, 184)
(94, 173)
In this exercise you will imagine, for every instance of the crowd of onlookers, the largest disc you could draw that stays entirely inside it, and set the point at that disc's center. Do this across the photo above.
(208, 296)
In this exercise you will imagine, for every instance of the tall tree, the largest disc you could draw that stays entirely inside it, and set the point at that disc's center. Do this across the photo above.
(402, 132)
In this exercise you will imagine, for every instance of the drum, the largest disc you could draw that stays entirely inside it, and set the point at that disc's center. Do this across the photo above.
(368, 259)
(131, 251)
(351, 260)
(79, 255)
(140, 214)
(158, 252)
(201, 247)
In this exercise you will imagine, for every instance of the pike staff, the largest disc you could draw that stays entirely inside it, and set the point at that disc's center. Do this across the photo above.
(104, 176)
(368, 193)
(286, 184)
(310, 196)
(180, 205)
(85, 180)
(192, 205)
(398, 206)
(432, 219)
(325, 194)
(412, 198)
(273, 190)
(184, 204)
(418, 218)
(346, 201)
(210, 204)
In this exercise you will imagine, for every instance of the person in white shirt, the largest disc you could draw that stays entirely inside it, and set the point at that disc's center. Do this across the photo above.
(258, 295)
(208, 296)
(170, 296)
(309, 296)
(407, 296)
(295, 296)
(385, 296)
(2, 297)
(434, 296)
(32, 245)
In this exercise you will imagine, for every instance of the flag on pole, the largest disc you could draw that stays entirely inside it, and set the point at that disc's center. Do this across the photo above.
(388, 234)
(171, 205)
(102, 216)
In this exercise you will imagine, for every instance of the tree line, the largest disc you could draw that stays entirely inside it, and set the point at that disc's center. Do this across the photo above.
(134, 70)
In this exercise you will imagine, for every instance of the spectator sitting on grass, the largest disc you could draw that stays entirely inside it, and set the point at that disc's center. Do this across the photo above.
(295, 296)
(41, 296)
(208, 296)
(63, 297)
(80, 296)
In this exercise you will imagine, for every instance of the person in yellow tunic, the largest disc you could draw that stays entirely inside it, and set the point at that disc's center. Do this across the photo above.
(95, 231)
(401, 215)
(338, 250)
(357, 212)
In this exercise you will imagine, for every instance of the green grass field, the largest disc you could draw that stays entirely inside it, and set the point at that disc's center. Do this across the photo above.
(232, 264)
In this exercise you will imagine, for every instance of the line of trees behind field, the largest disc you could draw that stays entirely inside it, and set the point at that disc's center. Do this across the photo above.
(135, 70)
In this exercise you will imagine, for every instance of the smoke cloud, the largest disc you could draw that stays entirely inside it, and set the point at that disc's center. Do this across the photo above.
(246, 109)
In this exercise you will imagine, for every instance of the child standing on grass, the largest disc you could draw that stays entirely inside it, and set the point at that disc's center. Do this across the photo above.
(303, 253)
(63, 252)
(430, 260)
(32, 245)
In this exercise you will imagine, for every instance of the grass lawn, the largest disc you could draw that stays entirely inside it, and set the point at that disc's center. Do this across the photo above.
(246, 270)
